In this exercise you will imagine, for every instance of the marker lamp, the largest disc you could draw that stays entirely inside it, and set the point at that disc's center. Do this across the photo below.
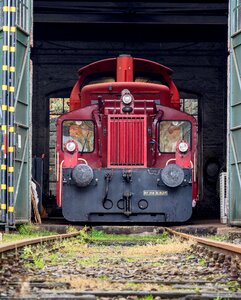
(183, 147)
(71, 146)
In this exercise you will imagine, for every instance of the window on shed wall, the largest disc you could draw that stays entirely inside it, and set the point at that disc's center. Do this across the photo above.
(190, 106)
(57, 106)
(237, 16)
(23, 17)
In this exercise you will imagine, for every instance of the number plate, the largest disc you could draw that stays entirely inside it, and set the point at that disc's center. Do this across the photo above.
(155, 193)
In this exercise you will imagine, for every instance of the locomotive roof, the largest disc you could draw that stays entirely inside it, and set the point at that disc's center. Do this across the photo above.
(109, 64)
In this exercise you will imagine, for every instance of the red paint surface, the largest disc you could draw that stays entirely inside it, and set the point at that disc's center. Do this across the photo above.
(126, 141)
(125, 68)
(70, 158)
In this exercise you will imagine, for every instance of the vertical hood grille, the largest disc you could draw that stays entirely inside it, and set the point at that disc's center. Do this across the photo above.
(127, 141)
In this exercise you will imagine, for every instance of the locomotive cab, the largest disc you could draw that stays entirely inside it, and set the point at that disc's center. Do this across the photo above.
(126, 153)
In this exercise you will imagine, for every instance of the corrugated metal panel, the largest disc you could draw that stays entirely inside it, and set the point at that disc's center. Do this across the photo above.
(126, 141)
(234, 113)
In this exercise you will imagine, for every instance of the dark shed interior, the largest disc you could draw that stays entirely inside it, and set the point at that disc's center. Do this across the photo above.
(189, 37)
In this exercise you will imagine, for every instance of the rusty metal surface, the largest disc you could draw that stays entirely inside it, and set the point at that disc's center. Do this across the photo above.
(217, 244)
(26, 242)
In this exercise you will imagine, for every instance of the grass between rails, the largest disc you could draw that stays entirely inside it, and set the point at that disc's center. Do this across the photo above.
(83, 254)
(96, 235)
(76, 258)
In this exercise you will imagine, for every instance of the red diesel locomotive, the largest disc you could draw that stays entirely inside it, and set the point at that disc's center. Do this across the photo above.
(125, 151)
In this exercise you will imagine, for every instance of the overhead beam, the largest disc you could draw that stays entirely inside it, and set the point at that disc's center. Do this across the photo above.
(106, 18)
(178, 12)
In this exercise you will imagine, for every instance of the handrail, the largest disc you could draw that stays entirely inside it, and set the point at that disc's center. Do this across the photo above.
(173, 159)
(60, 181)
(83, 160)
(169, 160)
(57, 166)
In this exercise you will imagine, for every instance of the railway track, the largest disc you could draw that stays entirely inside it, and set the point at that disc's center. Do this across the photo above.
(57, 267)
(223, 247)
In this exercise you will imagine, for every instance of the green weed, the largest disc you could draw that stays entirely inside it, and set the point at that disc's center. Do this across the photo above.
(39, 262)
(156, 264)
(216, 237)
(34, 256)
(71, 229)
(84, 236)
(202, 262)
(104, 277)
(131, 260)
(32, 230)
(88, 261)
(233, 286)
(53, 258)
(27, 252)
(148, 297)
(98, 235)
(190, 257)
(26, 229)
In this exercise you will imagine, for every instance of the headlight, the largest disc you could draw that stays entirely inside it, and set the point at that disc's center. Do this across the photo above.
(183, 147)
(127, 99)
(70, 146)
(126, 96)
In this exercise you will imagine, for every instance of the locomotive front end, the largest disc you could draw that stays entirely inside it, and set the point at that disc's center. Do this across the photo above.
(127, 154)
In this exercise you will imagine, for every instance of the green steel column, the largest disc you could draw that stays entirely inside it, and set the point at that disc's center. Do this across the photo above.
(15, 205)
(11, 89)
(234, 113)
(4, 108)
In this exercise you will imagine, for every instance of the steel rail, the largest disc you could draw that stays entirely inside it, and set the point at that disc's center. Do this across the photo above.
(229, 247)
(26, 242)
(178, 294)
